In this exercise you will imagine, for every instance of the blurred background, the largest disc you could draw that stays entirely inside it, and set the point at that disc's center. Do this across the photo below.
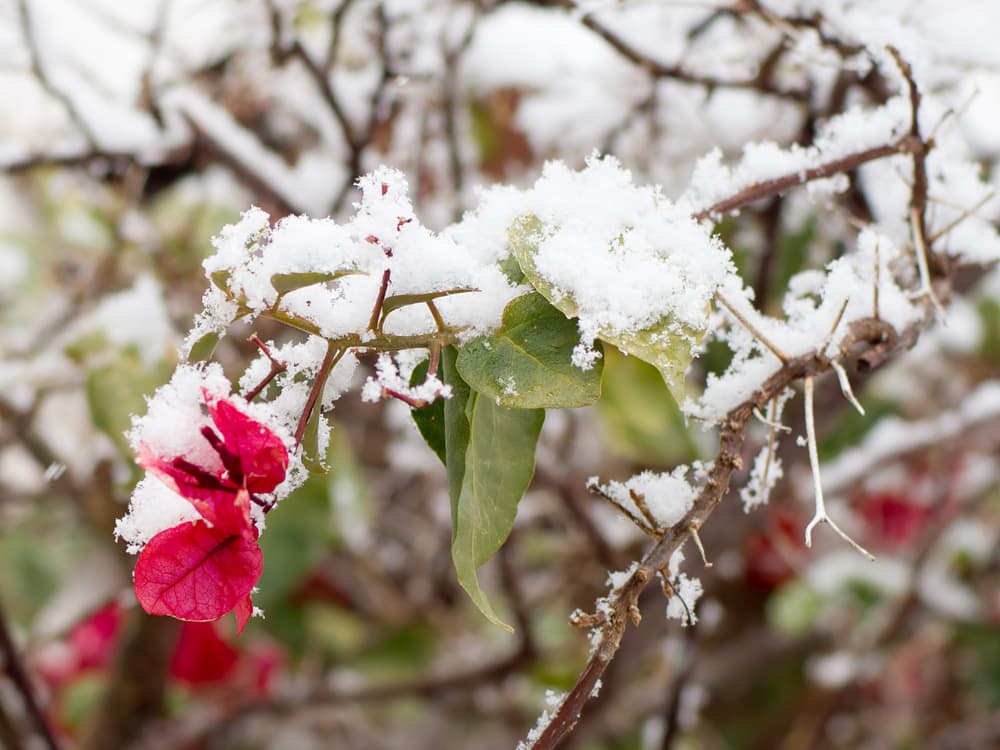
(131, 133)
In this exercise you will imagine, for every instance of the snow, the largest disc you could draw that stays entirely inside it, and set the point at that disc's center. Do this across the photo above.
(668, 496)
(153, 508)
(136, 318)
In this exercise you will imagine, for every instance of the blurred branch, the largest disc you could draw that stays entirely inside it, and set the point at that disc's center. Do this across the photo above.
(137, 687)
(38, 70)
(761, 82)
(18, 675)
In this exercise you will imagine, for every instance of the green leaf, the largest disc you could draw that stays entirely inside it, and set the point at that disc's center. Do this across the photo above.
(312, 457)
(491, 459)
(456, 427)
(793, 608)
(298, 534)
(396, 301)
(284, 283)
(220, 278)
(204, 348)
(512, 270)
(528, 364)
(666, 344)
(642, 422)
(429, 419)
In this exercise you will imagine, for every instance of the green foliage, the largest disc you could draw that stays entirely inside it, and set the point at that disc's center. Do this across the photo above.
(203, 349)
(396, 301)
(852, 427)
(490, 453)
(284, 283)
(641, 420)
(989, 316)
(527, 364)
(983, 666)
(429, 419)
(793, 608)
(81, 699)
(297, 536)
(665, 344)
(793, 256)
(116, 390)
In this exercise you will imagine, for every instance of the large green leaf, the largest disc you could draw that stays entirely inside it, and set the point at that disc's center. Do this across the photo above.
(641, 420)
(666, 344)
(491, 459)
(456, 427)
(528, 364)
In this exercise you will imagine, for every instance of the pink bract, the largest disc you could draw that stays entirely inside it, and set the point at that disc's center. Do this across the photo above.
(252, 460)
(198, 572)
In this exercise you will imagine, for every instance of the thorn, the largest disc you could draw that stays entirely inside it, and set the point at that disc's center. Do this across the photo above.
(845, 387)
(752, 329)
(920, 250)
(820, 515)
(700, 546)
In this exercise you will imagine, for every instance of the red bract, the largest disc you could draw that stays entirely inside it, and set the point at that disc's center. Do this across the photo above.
(202, 656)
(200, 571)
(773, 553)
(251, 460)
(892, 521)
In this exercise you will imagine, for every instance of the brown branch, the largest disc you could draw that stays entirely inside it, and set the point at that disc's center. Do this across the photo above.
(361, 140)
(18, 675)
(760, 83)
(756, 191)
(333, 355)
(622, 603)
(38, 70)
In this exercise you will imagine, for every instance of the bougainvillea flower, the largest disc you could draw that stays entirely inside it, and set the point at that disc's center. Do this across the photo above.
(892, 521)
(244, 459)
(202, 656)
(200, 570)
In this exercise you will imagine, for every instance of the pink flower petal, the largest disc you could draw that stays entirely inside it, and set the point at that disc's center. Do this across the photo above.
(262, 454)
(202, 656)
(243, 610)
(217, 501)
(197, 572)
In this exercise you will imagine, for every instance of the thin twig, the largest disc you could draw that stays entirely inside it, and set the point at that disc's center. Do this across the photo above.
(333, 355)
(38, 70)
(754, 331)
(767, 188)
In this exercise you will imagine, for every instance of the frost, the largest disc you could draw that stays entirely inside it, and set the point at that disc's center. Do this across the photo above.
(626, 255)
(389, 380)
(764, 475)
(686, 592)
(667, 496)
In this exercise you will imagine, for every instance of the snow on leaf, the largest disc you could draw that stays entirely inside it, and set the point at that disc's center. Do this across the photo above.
(528, 363)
